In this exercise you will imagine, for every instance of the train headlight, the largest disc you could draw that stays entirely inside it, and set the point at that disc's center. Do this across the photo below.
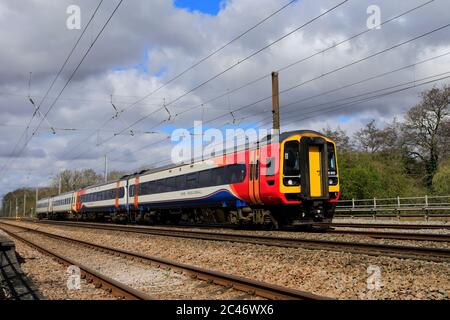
(333, 181)
(291, 181)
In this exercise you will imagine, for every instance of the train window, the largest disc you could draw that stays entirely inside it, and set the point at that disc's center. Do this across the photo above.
(204, 178)
(171, 184)
(291, 159)
(150, 187)
(131, 191)
(218, 176)
(181, 182)
(192, 181)
(332, 168)
(164, 187)
(121, 192)
(144, 188)
(235, 173)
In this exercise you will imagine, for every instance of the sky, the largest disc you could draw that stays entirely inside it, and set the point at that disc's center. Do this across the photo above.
(138, 66)
(211, 7)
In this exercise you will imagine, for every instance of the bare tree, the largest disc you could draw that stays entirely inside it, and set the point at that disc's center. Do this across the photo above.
(340, 137)
(73, 180)
(426, 128)
(372, 139)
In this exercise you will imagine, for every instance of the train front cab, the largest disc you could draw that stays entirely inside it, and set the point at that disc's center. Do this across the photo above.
(309, 177)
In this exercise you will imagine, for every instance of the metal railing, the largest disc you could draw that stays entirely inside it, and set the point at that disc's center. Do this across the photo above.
(424, 204)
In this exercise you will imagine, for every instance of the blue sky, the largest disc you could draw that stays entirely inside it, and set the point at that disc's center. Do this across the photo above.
(211, 7)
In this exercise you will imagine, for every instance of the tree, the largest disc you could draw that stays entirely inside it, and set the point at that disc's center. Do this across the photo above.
(340, 137)
(372, 139)
(365, 175)
(441, 180)
(114, 175)
(73, 180)
(425, 129)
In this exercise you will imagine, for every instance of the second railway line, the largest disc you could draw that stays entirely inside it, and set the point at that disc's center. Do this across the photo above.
(406, 251)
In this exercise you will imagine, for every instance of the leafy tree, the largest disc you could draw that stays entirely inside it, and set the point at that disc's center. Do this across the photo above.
(114, 175)
(441, 180)
(364, 176)
(426, 128)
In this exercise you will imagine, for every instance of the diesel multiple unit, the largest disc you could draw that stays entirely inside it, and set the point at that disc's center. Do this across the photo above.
(291, 181)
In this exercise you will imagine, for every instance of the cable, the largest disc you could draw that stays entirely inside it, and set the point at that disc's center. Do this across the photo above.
(129, 107)
(285, 106)
(236, 64)
(212, 53)
(324, 74)
(414, 84)
(54, 80)
(73, 73)
(364, 31)
(337, 69)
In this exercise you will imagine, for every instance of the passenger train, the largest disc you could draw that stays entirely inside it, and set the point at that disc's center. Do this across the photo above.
(288, 182)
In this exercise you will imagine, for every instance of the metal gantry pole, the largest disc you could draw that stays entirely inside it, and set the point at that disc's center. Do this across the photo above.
(106, 168)
(37, 198)
(24, 203)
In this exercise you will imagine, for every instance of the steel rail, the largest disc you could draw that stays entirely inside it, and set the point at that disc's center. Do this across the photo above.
(101, 281)
(398, 251)
(371, 234)
(383, 225)
(395, 235)
(250, 286)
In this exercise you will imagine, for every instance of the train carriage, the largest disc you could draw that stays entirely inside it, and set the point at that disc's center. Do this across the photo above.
(42, 207)
(100, 200)
(61, 205)
(291, 181)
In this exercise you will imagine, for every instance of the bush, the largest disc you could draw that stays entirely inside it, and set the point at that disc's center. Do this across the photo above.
(364, 176)
(441, 180)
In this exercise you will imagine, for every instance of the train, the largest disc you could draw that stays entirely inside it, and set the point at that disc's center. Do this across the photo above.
(292, 180)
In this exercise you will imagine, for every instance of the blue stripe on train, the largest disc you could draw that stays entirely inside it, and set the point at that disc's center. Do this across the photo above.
(219, 198)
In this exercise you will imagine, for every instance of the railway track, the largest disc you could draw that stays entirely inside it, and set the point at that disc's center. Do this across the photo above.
(384, 226)
(101, 281)
(395, 235)
(406, 252)
(372, 234)
(258, 288)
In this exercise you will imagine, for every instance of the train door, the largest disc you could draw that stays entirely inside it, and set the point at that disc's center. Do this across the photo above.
(254, 176)
(315, 171)
(314, 167)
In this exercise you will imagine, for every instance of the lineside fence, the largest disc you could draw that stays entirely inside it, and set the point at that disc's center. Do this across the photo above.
(425, 206)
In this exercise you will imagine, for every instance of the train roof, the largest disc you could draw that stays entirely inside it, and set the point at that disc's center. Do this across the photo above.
(263, 141)
(287, 134)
